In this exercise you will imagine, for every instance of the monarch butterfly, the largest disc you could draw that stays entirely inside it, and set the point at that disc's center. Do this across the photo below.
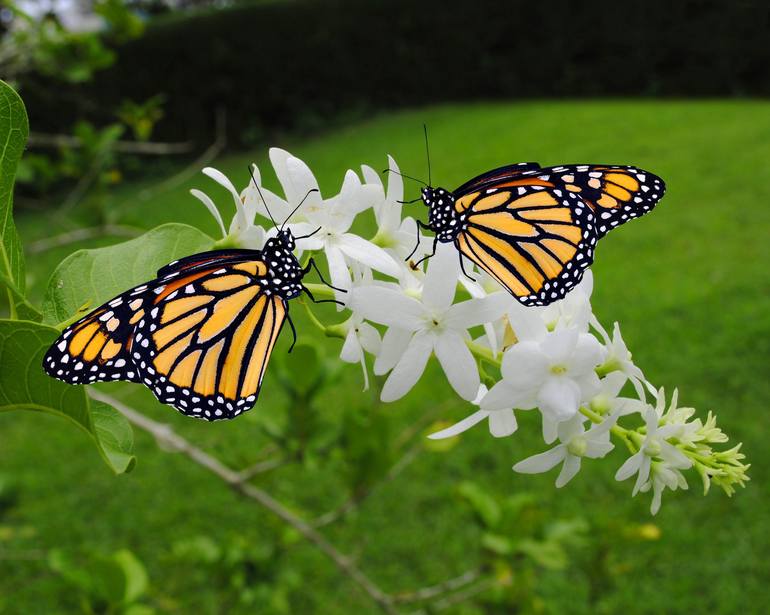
(534, 229)
(199, 336)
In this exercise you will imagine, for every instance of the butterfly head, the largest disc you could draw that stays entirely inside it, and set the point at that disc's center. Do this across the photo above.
(286, 238)
(443, 218)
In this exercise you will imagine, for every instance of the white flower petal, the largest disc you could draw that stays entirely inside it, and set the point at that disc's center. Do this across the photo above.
(351, 349)
(458, 364)
(339, 273)
(524, 366)
(461, 426)
(568, 470)
(477, 311)
(296, 178)
(394, 344)
(502, 396)
(441, 279)
(369, 338)
(387, 306)
(240, 221)
(363, 251)
(542, 462)
(502, 423)
(630, 466)
(204, 198)
(559, 399)
(408, 370)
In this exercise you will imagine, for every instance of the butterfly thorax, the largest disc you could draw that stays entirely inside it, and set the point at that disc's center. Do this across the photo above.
(443, 218)
(284, 271)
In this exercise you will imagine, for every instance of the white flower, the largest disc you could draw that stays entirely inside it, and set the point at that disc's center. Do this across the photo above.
(501, 422)
(398, 237)
(554, 374)
(661, 476)
(607, 400)
(655, 446)
(242, 228)
(360, 337)
(619, 358)
(576, 443)
(420, 327)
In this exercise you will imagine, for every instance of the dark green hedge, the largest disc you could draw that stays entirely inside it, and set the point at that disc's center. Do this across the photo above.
(300, 64)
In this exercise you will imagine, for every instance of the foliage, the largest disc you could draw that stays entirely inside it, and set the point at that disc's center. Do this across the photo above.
(116, 583)
(23, 342)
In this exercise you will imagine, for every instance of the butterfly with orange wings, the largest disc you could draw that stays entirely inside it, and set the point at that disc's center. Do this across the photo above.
(199, 336)
(534, 229)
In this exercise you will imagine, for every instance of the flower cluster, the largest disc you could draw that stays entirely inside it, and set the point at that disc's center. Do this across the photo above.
(496, 354)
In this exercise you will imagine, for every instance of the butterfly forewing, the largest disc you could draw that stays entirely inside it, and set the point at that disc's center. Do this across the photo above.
(529, 235)
(494, 177)
(206, 339)
(616, 194)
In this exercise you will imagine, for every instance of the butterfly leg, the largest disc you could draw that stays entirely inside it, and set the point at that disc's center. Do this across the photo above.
(462, 267)
(420, 224)
(433, 253)
(314, 300)
(293, 331)
(312, 265)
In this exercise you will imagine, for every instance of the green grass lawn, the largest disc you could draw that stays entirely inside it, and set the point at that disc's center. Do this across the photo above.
(689, 285)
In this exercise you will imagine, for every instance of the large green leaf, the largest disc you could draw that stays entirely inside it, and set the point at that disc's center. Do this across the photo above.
(14, 129)
(91, 277)
(25, 386)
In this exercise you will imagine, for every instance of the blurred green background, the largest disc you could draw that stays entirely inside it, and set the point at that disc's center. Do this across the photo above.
(689, 285)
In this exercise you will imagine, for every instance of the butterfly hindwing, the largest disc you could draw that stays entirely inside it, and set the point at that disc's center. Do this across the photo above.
(206, 339)
(529, 235)
(97, 347)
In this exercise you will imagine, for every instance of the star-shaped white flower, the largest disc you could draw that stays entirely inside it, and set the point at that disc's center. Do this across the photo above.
(501, 422)
(425, 325)
(242, 228)
(576, 443)
(554, 374)
(655, 446)
(398, 237)
(328, 220)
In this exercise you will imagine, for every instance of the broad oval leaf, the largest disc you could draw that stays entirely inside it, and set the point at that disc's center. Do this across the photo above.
(91, 277)
(25, 386)
(14, 129)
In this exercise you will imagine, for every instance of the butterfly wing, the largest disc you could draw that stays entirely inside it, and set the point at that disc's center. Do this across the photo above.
(616, 194)
(97, 347)
(495, 176)
(205, 341)
(529, 235)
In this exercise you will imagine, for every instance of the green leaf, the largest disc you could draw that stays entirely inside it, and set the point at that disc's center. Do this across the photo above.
(91, 277)
(25, 386)
(14, 129)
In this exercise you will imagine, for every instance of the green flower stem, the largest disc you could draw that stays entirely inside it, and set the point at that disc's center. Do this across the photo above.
(628, 437)
(320, 290)
(484, 354)
(312, 316)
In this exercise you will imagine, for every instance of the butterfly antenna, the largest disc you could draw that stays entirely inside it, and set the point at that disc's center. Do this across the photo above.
(293, 211)
(427, 150)
(254, 179)
(405, 176)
